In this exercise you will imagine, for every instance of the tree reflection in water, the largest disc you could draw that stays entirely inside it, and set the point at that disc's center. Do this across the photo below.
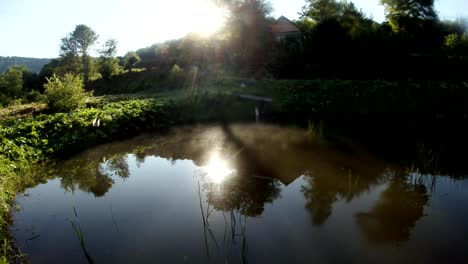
(260, 159)
(246, 195)
(237, 195)
(326, 186)
(393, 217)
(92, 175)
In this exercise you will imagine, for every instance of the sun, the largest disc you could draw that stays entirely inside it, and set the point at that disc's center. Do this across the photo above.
(206, 18)
(217, 169)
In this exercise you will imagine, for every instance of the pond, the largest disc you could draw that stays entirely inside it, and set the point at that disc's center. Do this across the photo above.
(238, 194)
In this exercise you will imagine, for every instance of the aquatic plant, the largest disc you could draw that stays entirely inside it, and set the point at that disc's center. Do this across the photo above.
(79, 234)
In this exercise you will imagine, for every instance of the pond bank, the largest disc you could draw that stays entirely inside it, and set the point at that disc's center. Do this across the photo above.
(35, 139)
(26, 142)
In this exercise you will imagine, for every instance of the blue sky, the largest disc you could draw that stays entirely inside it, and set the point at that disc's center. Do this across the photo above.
(33, 28)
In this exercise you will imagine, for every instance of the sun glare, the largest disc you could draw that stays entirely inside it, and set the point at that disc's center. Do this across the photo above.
(217, 169)
(207, 18)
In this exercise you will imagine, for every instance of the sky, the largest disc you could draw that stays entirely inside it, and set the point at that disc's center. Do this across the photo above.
(33, 28)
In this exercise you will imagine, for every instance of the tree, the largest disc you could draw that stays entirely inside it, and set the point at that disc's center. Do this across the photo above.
(320, 10)
(11, 84)
(250, 40)
(15, 82)
(456, 45)
(131, 58)
(344, 12)
(77, 43)
(408, 15)
(109, 49)
(108, 64)
(64, 94)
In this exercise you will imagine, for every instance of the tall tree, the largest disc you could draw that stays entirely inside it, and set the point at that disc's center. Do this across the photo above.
(405, 15)
(108, 64)
(250, 38)
(78, 43)
(320, 10)
(109, 49)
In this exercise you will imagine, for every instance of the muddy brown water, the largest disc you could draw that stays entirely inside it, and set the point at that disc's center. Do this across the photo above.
(240, 194)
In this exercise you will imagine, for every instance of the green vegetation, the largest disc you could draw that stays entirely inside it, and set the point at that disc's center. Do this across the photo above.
(25, 142)
(18, 83)
(109, 65)
(130, 59)
(77, 46)
(64, 94)
(344, 67)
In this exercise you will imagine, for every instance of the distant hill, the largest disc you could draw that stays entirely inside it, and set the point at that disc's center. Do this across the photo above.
(35, 65)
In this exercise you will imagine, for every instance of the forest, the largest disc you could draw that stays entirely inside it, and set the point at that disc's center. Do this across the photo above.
(33, 64)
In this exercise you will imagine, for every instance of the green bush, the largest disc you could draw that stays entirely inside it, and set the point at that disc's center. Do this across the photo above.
(65, 94)
(34, 96)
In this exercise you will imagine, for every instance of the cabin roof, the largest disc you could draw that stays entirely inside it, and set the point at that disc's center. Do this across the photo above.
(284, 25)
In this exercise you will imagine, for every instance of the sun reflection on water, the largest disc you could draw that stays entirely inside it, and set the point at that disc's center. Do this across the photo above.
(217, 169)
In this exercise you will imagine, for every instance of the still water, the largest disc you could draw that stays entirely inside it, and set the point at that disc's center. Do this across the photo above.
(240, 194)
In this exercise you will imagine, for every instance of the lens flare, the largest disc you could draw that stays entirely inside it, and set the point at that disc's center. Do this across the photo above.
(217, 169)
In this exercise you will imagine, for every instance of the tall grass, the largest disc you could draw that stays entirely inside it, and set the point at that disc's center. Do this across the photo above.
(79, 234)
(230, 232)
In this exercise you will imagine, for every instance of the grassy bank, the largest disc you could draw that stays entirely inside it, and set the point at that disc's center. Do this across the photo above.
(320, 95)
(26, 142)
(41, 137)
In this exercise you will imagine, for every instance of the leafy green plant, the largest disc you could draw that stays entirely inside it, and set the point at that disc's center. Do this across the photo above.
(64, 94)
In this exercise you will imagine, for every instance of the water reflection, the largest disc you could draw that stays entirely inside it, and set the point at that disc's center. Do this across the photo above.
(217, 169)
(246, 195)
(395, 214)
(86, 176)
(257, 190)
(326, 186)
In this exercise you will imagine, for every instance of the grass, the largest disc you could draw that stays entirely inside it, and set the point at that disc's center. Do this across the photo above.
(30, 140)
(79, 234)
(21, 110)
(230, 230)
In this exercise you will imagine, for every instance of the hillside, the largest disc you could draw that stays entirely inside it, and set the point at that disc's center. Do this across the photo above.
(35, 65)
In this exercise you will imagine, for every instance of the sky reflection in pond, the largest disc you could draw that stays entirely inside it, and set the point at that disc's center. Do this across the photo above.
(241, 193)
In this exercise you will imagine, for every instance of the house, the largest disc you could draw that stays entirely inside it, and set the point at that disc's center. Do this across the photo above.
(284, 28)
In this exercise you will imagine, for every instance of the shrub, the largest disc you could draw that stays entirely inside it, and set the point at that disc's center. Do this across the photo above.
(109, 67)
(34, 96)
(64, 94)
(11, 85)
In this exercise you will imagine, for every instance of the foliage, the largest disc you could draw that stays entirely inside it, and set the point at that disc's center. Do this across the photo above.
(109, 49)
(131, 58)
(321, 10)
(15, 83)
(25, 142)
(77, 43)
(457, 45)
(11, 82)
(407, 15)
(109, 65)
(64, 94)
(249, 39)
